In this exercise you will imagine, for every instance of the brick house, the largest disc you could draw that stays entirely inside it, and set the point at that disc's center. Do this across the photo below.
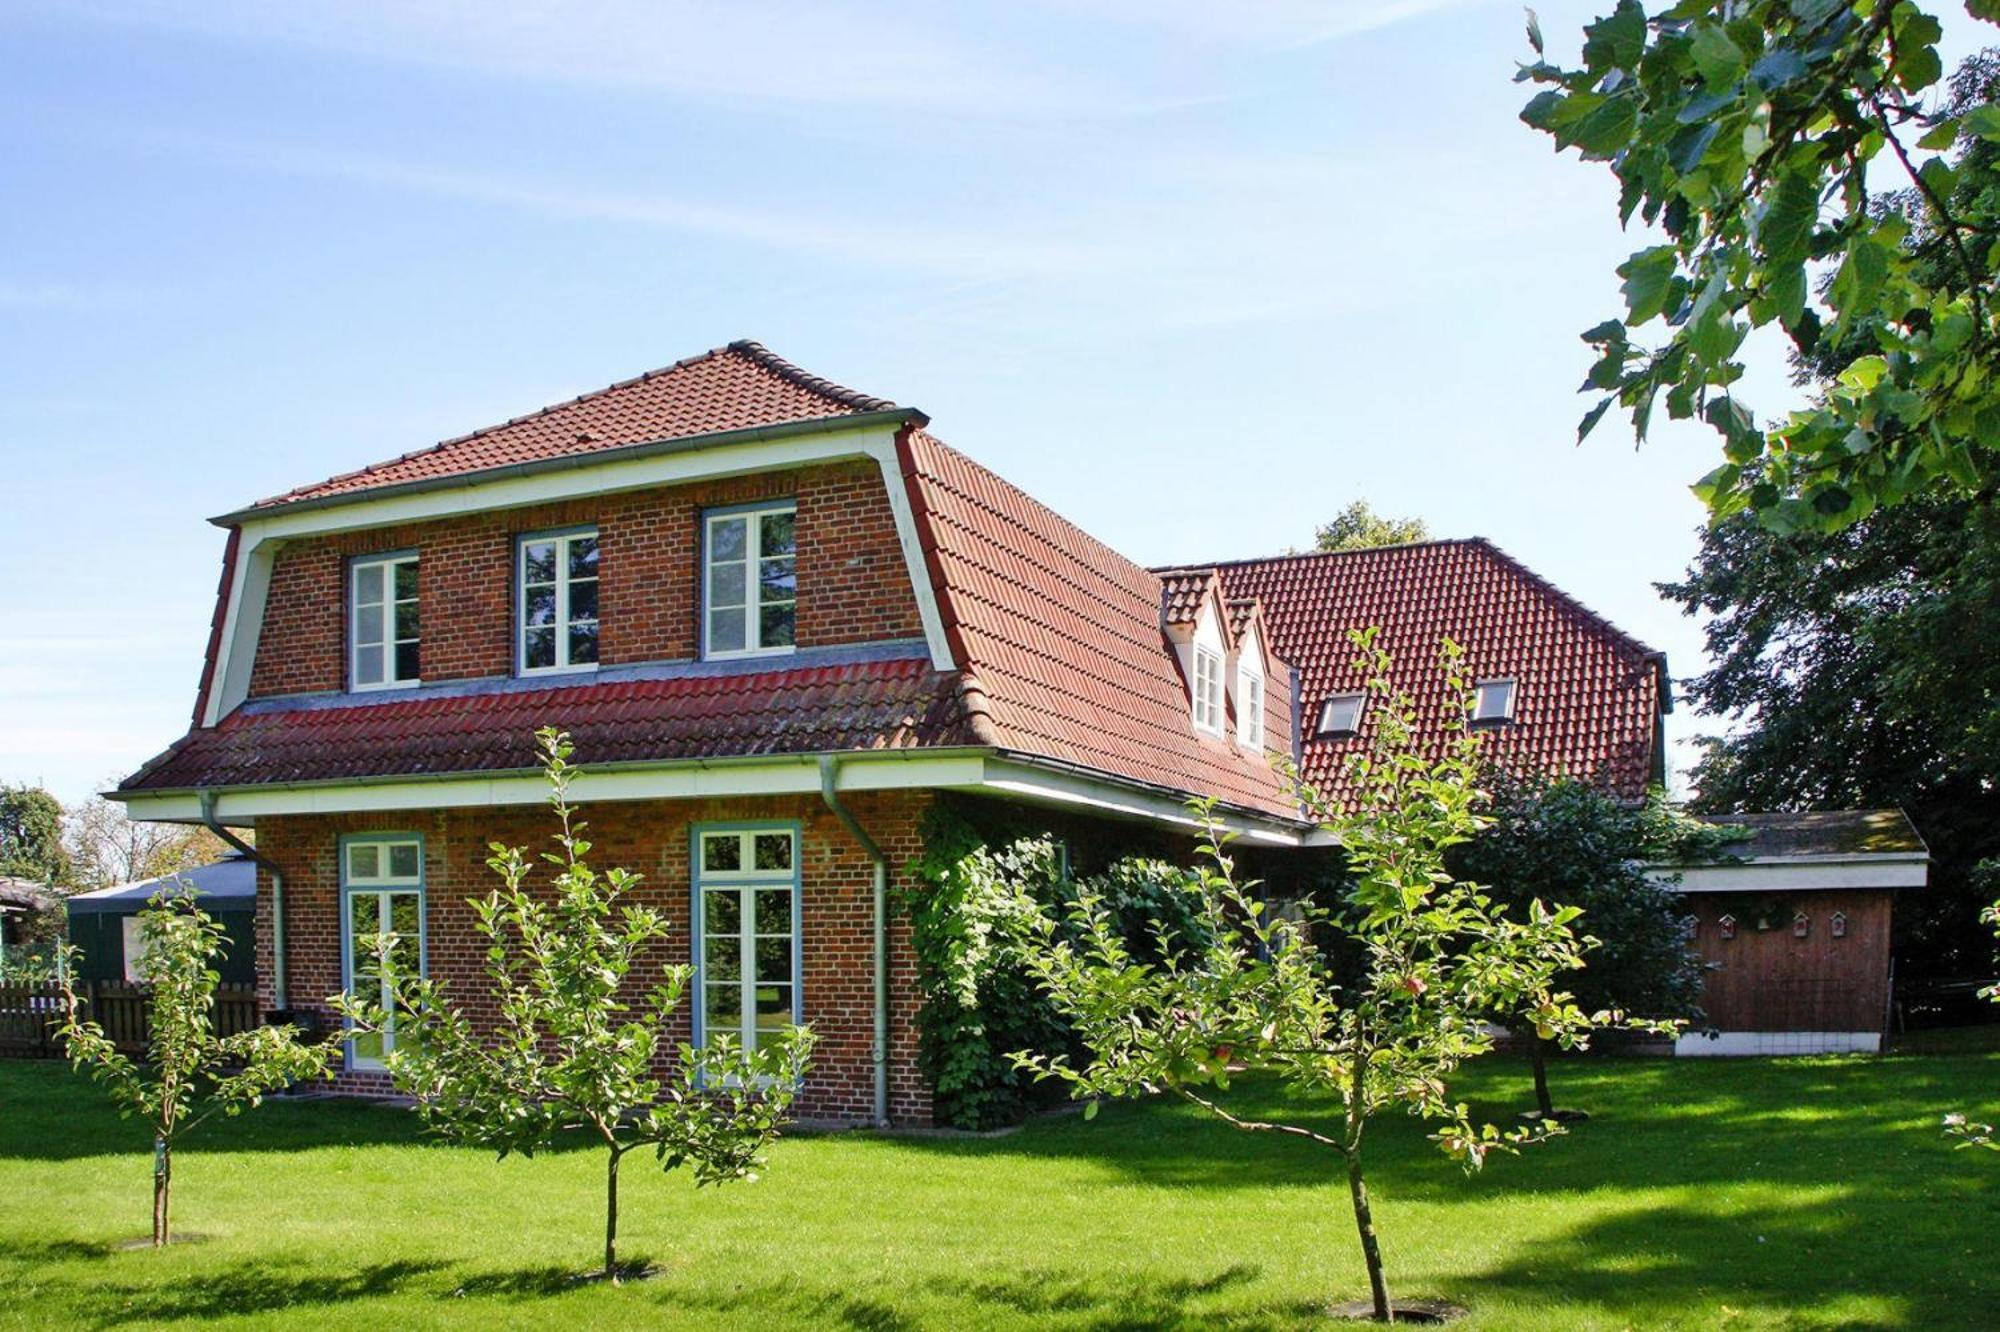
(780, 620)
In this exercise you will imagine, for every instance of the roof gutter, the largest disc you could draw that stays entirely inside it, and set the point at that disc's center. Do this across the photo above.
(818, 425)
(208, 820)
(829, 774)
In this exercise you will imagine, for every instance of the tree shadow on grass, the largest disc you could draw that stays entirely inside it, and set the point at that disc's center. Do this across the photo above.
(244, 1290)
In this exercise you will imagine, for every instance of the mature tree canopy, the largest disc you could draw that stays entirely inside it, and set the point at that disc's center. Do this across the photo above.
(106, 847)
(31, 835)
(1359, 527)
(1860, 666)
(1751, 135)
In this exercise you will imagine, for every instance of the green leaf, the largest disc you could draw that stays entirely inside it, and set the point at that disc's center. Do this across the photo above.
(1717, 59)
(1786, 226)
(1686, 149)
(1618, 39)
(1592, 417)
(1945, 133)
(1534, 32)
(1648, 278)
(1607, 127)
(1983, 121)
(1779, 67)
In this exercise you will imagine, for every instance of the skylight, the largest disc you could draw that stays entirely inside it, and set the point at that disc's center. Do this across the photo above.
(1341, 714)
(1493, 701)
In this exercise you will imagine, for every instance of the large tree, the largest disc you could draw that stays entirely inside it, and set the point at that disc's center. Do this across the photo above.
(107, 847)
(31, 835)
(1359, 527)
(1757, 139)
(1859, 665)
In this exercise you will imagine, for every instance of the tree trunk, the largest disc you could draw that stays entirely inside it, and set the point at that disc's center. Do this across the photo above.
(163, 1183)
(611, 1218)
(1371, 1252)
(1538, 1059)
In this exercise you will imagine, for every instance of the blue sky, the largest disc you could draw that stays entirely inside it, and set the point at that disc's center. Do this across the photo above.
(1197, 275)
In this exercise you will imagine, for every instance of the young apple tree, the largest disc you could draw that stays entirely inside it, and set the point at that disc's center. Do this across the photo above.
(189, 1073)
(576, 1045)
(1257, 992)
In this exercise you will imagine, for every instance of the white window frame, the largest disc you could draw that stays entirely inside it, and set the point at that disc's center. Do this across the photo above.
(1207, 689)
(753, 516)
(745, 883)
(1249, 707)
(388, 564)
(384, 886)
(1320, 727)
(1505, 713)
(132, 933)
(562, 541)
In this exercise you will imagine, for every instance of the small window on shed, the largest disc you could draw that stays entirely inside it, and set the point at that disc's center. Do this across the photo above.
(1341, 714)
(1493, 701)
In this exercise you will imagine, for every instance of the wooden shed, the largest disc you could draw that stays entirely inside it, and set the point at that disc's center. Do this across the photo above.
(1795, 929)
(104, 925)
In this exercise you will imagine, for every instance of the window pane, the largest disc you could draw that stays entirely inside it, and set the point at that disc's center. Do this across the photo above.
(539, 648)
(368, 624)
(582, 643)
(583, 557)
(368, 1047)
(406, 619)
(773, 851)
(722, 851)
(364, 923)
(778, 579)
(403, 860)
(726, 539)
(778, 536)
(774, 1007)
(408, 666)
(722, 1009)
(774, 911)
(583, 600)
(406, 581)
(725, 631)
(367, 583)
(725, 584)
(774, 961)
(774, 625)
(538, 562)
(368, 666)
(722, 957)
(364, 861)
(723, 913)
(539, 603)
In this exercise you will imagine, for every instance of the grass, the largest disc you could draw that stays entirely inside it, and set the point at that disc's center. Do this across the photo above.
(1746, 1193)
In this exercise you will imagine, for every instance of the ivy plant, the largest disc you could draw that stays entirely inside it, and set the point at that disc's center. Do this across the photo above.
(1748, 136)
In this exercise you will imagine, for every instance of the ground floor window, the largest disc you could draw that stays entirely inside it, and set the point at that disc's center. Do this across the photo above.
(382, 893)
(747, 930)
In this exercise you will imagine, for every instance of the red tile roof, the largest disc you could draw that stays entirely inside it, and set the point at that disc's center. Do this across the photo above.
(1588, 696)
(1062, 635)
(1184, 593)
(875, 705)
(736, 387)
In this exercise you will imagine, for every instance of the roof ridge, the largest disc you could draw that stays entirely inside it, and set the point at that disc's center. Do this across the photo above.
(1324, 554)
(748, 348)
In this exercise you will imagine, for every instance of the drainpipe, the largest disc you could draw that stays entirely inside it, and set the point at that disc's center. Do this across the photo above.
(278, 1002)
(829, 769)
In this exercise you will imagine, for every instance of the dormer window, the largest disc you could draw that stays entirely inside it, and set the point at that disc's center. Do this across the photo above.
(1493, 701)
(558, 602)
(750, 584)
(1249, 707)
(382, 626)
(1340, 715)
(1207, 690)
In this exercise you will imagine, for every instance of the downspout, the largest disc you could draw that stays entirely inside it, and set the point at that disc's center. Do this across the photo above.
(829, 770)
(278, 1002)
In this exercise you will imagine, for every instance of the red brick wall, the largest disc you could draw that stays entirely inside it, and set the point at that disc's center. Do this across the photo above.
(853, 584)
(651, 838)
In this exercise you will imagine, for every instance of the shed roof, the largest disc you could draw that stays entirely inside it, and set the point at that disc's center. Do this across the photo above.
(232, 879)
(1840, 832)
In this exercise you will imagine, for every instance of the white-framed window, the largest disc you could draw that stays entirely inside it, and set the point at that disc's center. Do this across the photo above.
(1493, 701)
(1340, 714)
(1249, 708)
(382, 622)
(1207, 689)
(133, 931)
(382, 894)
(557, 597)
(750, 583)
(747, 923)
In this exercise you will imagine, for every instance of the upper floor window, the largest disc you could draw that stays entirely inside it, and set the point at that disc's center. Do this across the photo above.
(558, 602)
(1207, 689)
(750, 585)
(1493, 701)
(1341, 714)
(1249, 708)
(383, 630)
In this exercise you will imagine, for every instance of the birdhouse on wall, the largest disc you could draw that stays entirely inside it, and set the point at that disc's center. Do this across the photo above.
(1837, 924)
(1727, 925)
(1801, 925)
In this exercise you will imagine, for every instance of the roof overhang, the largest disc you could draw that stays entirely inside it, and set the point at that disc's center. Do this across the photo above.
(1768, 874)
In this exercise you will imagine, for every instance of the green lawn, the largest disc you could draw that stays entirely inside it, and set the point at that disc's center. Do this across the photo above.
(1797, 1193)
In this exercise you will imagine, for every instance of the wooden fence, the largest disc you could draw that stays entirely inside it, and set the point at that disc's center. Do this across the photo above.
(29, 1015)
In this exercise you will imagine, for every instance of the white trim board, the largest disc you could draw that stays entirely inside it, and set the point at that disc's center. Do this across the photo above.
(1728, 1044)
(1798, 874)
(250, 581)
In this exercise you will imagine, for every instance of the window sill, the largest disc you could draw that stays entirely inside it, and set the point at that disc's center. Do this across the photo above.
(750, 654)
(543, 672)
